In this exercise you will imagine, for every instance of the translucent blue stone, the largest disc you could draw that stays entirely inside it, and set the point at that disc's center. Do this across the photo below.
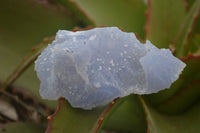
(91, 68)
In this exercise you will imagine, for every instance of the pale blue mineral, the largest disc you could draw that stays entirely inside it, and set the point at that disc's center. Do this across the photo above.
(91, 68)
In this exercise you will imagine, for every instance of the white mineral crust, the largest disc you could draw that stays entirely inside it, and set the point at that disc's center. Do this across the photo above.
(91, 68)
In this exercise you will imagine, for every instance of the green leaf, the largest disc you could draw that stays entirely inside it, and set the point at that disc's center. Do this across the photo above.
(25, 63)
(24, 24)
(192, 44)
(164, 20)
(187, 122)
(20, 127)
(73, 120)
(80, 15)
(127, 14)
(129, 116)
(108, 117)
(183, 93)
(186, 29)
(125, 114)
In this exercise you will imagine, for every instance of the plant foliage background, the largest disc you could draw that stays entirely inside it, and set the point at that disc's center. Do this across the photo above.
(27, 26)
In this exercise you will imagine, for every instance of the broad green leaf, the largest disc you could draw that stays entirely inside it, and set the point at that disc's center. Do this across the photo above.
(127, 14)
(125, 114)
(24, 24)
(20, 127)
(164, 20)
(186, 122)
(128, 117)
(183, 93)
(73, 120)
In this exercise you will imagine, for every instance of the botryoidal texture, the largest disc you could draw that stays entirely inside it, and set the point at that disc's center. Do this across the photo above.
(91, 68)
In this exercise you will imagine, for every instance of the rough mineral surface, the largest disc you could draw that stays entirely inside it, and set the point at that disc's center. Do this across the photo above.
(91, 68)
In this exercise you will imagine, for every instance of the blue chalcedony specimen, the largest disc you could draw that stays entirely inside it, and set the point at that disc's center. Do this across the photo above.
(91, 68)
